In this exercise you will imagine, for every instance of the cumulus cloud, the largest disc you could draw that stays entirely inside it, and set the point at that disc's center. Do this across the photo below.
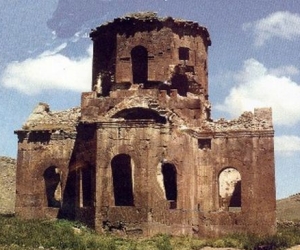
(255, 86)
(290, 70)
(281, 24)
(49, 70)
(287, 145)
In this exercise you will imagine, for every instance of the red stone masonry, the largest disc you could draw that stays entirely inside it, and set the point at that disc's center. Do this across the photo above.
(142, 154)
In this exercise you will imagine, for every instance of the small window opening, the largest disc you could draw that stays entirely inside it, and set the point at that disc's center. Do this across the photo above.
(53, 186)
(184, 53)
(204, 143)
(180, 82)
(170, 183)
(125, 59)
(122, 180)
(139, 56)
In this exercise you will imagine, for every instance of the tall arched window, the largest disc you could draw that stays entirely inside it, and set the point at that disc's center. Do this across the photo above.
(139, 56)
(170, 183)
(52, 180)
(230, 189)
(122, 180)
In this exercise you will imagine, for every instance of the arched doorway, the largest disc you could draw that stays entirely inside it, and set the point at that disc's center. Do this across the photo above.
(139, 58)
(170, 183)
(230, 189)
(122, 180)
(52, 180)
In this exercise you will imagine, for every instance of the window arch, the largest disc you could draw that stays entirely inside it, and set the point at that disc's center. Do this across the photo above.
(170, 183)
(140, 113)
(122, 180)
(230, 189)
(52, 178)
(139, 58)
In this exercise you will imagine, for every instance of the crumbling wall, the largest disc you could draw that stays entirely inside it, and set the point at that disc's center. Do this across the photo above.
(44, 151)
(142, 154)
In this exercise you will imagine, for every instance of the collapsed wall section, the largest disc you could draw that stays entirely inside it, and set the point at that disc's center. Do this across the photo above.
(45, 146)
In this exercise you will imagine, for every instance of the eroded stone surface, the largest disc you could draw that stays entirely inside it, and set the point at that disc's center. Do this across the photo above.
(7, 185)
(142, 154)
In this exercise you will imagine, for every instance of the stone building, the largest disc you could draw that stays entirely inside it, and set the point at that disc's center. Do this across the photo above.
(142, 152)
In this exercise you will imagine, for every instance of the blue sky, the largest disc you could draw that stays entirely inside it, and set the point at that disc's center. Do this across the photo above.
(254, 61)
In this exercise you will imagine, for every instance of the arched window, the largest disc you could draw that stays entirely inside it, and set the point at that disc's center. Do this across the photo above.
(170, 183)
(139, 56)
(52, 180)
(230, 189)
(122, 180)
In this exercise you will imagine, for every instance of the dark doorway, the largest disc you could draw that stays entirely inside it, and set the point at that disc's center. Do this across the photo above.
(122, 180)
(235, 200)
(139, 56)
(170, 182)
(87, 186)
(69, 197)
(53, 186)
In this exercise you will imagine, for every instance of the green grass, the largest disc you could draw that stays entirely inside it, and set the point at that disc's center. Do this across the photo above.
(18, 234)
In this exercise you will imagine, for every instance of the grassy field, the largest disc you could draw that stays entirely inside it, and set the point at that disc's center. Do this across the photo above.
(41, 234)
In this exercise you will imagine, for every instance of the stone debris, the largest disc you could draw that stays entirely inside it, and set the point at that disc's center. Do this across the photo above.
(43, 119)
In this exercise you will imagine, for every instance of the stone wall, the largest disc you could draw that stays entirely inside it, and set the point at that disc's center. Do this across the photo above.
(167, 50)
(142, 151)
(7, 185)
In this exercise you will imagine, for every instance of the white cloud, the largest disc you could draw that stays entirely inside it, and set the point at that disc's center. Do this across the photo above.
(282, 24)
(50, 70)
(255, 86)
(284, 70)
(287, 144)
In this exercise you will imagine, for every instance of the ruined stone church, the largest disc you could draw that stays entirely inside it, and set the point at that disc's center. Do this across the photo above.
(142, 153)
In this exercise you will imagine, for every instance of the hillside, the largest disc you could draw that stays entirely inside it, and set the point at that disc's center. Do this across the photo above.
(289, 208)
(7, 185)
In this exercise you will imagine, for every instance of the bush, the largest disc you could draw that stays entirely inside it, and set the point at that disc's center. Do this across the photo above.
(163, 242)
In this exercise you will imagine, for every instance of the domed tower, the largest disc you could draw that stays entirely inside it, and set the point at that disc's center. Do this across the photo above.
(162, 53)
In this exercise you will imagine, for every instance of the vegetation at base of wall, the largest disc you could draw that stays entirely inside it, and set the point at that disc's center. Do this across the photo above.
(16, 234)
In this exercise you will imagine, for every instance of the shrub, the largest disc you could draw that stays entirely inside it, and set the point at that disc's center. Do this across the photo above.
(163, 242)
